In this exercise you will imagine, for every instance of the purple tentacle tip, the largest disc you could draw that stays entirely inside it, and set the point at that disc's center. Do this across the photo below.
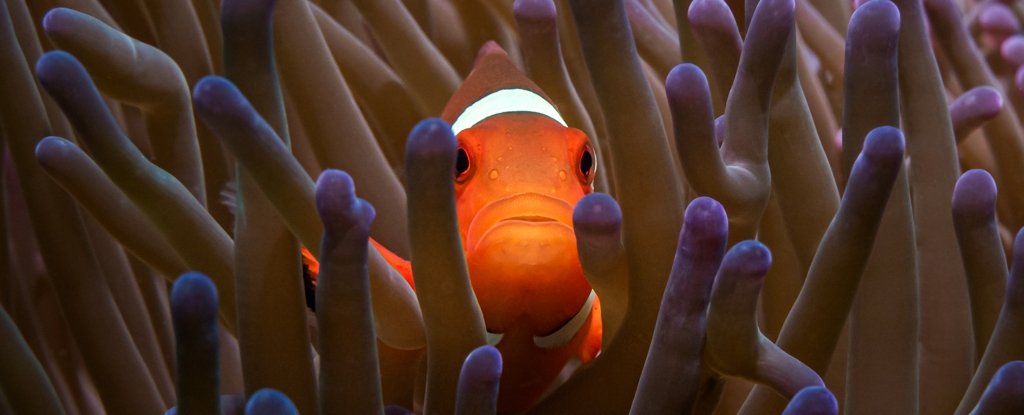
(1012, 50)
(482, 364)
(875, 20)
(686, 85)
(708, 12)
(337, 203)
(478, 382)
(597, 211)
(1018, 79)
(397, 410)
(1018, 256)
(58, 70)
(777, 14)
(1012, 375)
(706, 220)
(215, 96)
(975, 195)
(748, 258)
(194, 295)
(431, 138)
(1005, 392)
(270, 402)
(998, 21)
(814, 400)
(52, 150)
(57, 20)
(335, 182)
(884, 144)
(534, 11)
(984, 99)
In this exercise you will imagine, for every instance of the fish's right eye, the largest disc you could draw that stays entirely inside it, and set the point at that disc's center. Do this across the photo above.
(461, 163)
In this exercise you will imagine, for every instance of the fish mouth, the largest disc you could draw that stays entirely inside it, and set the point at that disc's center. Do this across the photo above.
(523, 209)
(529, 218)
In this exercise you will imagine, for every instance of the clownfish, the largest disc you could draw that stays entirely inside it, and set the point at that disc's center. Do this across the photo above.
(519, 172)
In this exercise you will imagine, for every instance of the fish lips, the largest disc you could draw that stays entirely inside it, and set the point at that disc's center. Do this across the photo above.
(523, 209)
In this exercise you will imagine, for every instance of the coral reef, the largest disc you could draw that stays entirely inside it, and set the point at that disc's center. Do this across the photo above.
(796, 207)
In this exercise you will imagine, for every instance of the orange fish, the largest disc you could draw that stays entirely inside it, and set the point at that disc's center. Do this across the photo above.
(520, 170)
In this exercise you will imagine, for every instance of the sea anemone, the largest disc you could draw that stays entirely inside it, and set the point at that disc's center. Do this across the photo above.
(778, 226)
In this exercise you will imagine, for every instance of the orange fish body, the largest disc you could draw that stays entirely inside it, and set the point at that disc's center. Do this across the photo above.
(519, 173)
(514, 199)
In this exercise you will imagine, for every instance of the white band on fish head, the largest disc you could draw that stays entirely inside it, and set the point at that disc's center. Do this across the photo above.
(504, 101)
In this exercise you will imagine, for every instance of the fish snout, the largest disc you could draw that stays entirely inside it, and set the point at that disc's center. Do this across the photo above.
(519, 209)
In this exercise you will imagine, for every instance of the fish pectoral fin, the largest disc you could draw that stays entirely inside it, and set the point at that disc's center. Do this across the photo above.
(399, 264)
(564, 335)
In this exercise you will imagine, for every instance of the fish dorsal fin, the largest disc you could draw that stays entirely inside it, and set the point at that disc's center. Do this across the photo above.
(495, 86)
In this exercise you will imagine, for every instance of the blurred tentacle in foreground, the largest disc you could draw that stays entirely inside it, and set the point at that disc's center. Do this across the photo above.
(141, 75)
(974, 215)
(186, 224)
(413, 57)
(1007, 339)
(454, 323)
(536, 23)
(349, 378)
(946, 348)
(279, 176)
(974, 109)
(812, 401)
(735, 345)
(79, 175)
(101, 334)
(269, 401)
(1005, 133)
(831, 284)
(478, 382)
(651, 209)
(194, 309)
(597, 222)
(737, 175)
(325, 102)
(1004, 393)
(715, 30)
(672, 372)
(31, 392)
(275, 351)
(884, 320)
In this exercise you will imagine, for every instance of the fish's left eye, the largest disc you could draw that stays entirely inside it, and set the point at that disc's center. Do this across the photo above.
(586, 163)
(461, 163)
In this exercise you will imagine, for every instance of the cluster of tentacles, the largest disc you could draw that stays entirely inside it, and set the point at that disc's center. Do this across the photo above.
(748, 256)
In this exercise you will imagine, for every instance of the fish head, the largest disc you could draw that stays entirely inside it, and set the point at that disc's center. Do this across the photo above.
(520, 170)
(518, 177)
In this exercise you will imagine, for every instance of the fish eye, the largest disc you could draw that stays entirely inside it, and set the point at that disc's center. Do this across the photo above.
(461, 163)
(587, 163)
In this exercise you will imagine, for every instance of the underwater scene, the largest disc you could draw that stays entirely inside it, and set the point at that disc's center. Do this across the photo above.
(512, 207)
